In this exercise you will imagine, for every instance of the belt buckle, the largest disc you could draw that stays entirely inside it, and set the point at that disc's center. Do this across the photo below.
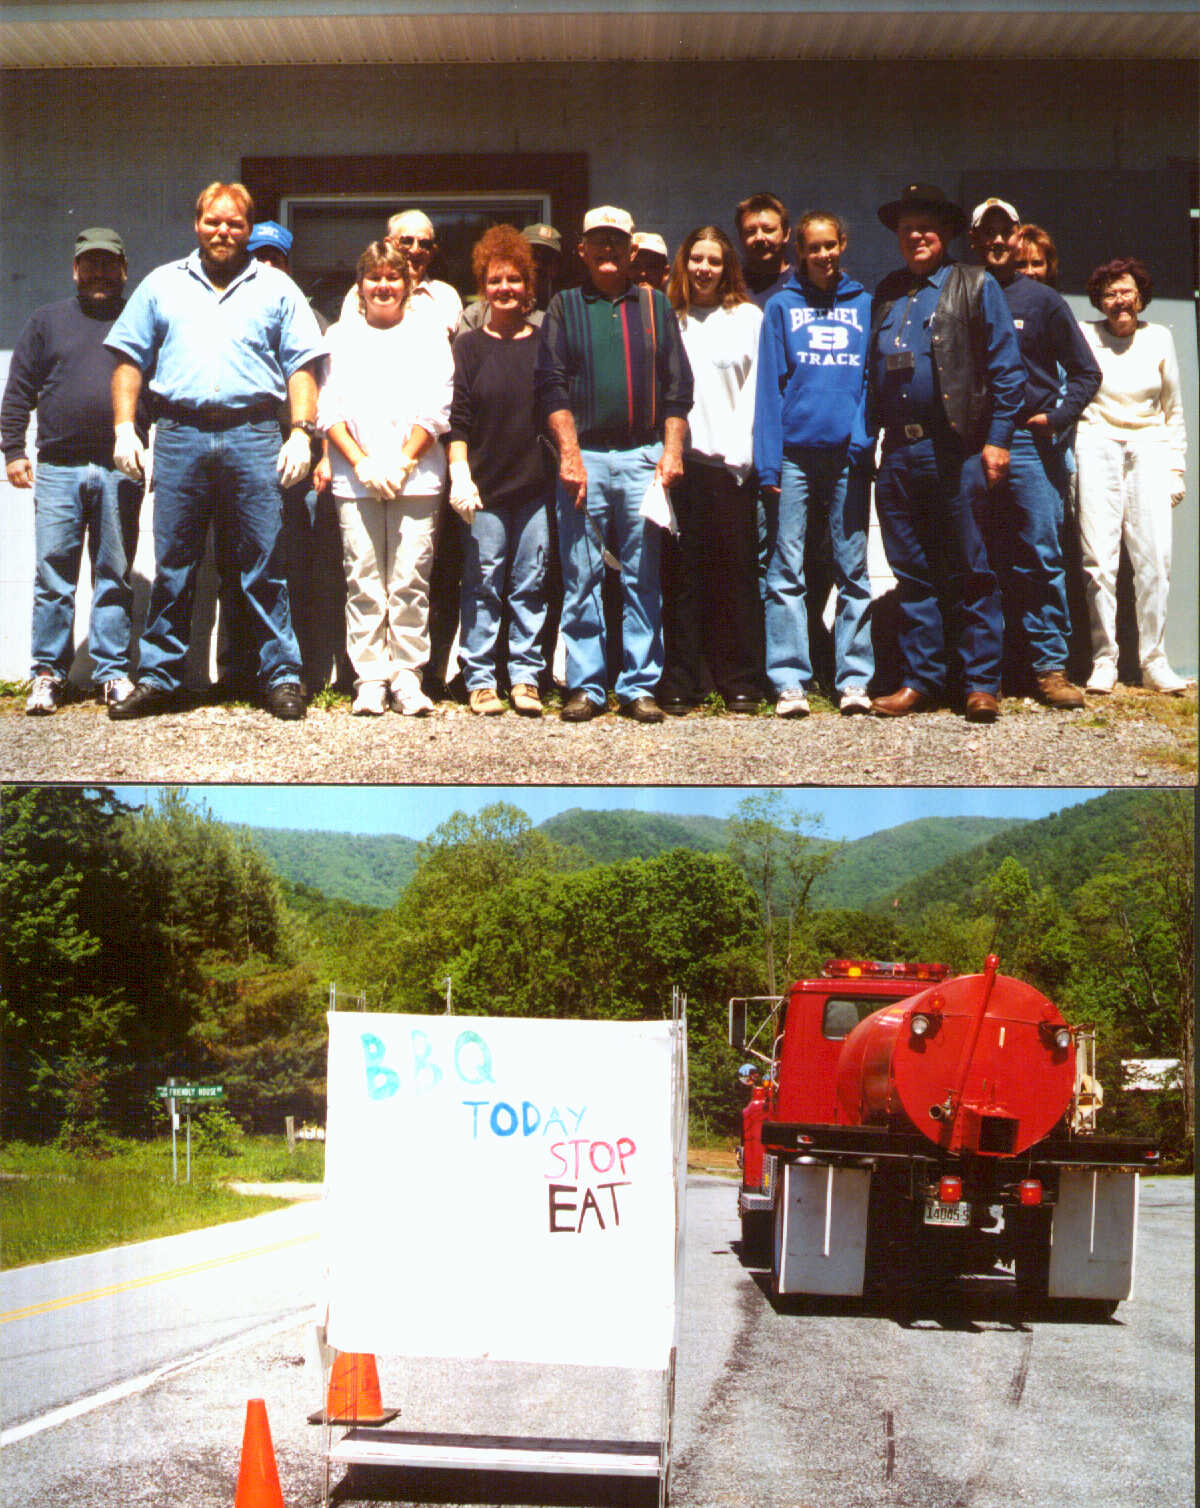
(914, 432)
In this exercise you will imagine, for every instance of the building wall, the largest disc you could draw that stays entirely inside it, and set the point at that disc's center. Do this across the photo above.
(1098, 152)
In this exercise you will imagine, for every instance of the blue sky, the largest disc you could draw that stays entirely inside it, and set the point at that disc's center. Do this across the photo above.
(414, 811)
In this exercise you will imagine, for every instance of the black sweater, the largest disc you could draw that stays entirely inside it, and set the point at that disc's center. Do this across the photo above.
(494, 412)
(61, 368)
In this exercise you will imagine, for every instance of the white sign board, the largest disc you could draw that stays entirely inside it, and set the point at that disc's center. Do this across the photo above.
(501, 1188)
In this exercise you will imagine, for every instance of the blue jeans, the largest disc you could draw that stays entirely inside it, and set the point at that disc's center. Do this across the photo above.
(1028, 554)
(69, 503)
(926, 496)
(509, 542)
(821, 478)
(616, 484)
(229, 476)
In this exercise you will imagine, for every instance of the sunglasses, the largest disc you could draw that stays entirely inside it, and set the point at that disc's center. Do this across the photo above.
(425, 243)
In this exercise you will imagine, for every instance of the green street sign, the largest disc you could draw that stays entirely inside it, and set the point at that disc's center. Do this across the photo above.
(190, 1091)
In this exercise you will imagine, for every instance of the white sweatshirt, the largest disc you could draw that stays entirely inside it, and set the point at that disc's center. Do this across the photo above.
(722, 347)
(379, 384)
(1139, 391)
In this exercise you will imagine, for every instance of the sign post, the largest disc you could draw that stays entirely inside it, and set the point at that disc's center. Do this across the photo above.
(190, 1094)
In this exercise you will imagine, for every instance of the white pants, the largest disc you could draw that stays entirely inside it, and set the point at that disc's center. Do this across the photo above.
(387, 552)
(1125, 492)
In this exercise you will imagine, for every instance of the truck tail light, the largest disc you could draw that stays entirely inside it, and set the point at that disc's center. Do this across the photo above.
(1029, 1191)
(949, 1189)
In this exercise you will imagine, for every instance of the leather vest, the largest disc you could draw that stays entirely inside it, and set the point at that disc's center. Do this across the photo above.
(958, 341)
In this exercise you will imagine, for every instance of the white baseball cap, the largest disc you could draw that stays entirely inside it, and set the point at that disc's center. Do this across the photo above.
(649, 240)
(980, 210)
(607, 217)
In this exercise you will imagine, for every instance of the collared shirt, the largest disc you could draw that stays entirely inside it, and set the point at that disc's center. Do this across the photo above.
(201, 345)
(911, 394)
(1049, 337)
(438, 300)
(619, 378)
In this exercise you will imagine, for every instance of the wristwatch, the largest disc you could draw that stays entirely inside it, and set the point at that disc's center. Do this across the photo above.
(308, 426)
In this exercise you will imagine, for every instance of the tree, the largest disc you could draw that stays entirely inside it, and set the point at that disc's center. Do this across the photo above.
(779, 851)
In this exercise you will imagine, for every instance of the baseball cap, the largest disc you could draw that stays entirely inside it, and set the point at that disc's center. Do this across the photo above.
(649, 240)
(1003, 205)
(543, 235)
(99, 238)
(608, 217)
(270, 233)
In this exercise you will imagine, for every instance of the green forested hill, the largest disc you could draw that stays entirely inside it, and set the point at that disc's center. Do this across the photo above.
(872, 869)
(611, 836)
(1062, 851)
(370, 870)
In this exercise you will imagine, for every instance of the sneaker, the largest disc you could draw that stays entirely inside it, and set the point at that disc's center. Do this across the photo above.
(45, 695)
(792, 703)
(115, 691)
(370, 700)
(410, 702)
(526, 700)
(1102, 679)
(1055, 690)
(854, 699)
(484, 701)
(1157, 675)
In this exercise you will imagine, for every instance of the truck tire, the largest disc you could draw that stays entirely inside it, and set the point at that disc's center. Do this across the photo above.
(890, 1277)
(1031, 1263)
(757, 1242)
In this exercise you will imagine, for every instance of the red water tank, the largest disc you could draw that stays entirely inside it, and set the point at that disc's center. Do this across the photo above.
(979, 1063)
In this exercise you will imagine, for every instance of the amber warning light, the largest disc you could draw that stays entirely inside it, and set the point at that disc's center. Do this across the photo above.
(876, 968)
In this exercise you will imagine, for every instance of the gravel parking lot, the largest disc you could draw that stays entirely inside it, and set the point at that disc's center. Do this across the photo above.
(1131, 738)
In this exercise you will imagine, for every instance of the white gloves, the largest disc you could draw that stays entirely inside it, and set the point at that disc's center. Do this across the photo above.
(295, 459)
(129, 454)
(387, 482)
(464, 495)
(1177, 488)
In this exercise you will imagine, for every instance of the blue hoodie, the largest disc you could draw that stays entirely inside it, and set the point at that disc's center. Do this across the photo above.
(812, 373)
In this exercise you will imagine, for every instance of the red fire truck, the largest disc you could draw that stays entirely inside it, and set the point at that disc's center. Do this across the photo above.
(907, 1125)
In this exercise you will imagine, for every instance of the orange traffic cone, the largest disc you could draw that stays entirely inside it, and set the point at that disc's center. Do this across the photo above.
(354, 1396)
(258, 1479)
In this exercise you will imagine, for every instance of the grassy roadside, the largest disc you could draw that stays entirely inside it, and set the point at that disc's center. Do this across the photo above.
(59, 1204)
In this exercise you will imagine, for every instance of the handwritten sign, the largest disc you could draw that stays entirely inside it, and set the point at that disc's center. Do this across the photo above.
(501, 1188)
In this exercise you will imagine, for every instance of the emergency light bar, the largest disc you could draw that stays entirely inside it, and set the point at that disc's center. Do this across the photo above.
(874, 968)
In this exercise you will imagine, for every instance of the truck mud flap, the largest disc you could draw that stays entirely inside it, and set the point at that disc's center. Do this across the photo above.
(1092, 1235)
(821, 1229)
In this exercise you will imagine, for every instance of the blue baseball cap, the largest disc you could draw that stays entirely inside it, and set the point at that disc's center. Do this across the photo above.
(270, 233)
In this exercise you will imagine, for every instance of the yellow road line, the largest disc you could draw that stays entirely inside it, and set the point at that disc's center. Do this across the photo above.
(49, 1305)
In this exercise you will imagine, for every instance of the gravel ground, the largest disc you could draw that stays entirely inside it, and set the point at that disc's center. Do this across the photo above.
(1131, 738)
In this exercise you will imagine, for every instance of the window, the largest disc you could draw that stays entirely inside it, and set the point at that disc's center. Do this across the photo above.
(843, 1012)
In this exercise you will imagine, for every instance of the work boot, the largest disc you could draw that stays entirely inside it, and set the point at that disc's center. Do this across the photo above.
(1055, 690)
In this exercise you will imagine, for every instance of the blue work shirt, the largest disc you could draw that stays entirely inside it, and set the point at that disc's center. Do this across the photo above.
(233, 346)
(913, 396)
(1050, 340)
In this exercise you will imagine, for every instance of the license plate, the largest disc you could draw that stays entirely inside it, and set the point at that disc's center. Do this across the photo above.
(937, 1213)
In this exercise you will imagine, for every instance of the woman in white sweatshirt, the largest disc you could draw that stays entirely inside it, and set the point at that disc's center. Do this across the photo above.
(384, 403)
(1130, 450)
(712, 610)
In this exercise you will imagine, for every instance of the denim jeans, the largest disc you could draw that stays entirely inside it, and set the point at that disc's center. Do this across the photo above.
(821, 478)
(229, 476)
(616, 484)
(1027, 552)
(504, 545)
(926, 497)
(69, 503)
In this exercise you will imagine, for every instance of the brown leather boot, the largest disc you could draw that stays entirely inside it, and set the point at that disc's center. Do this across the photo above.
(1055, 690)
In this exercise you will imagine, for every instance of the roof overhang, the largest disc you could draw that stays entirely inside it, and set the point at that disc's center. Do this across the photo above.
(216, 33)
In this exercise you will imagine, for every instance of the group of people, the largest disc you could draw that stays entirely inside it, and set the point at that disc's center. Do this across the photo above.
(706, 428)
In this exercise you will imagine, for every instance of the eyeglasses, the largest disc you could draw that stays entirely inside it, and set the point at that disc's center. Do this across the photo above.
(426, 243)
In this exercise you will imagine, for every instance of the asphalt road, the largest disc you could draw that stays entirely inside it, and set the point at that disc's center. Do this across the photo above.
(824, 1406)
